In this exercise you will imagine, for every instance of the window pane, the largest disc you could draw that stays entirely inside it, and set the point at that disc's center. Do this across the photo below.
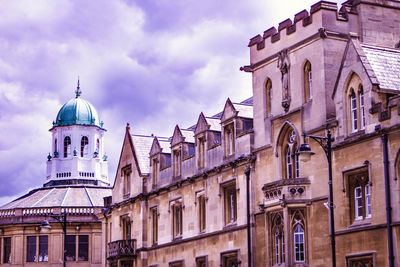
(353, 107)
(368, 201)
(43, 248)
(31, 248)
(70, 250)
(7, 250)
(83, 248)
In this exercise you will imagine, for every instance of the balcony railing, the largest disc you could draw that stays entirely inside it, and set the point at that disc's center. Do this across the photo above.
(286, 190)
(122, 248)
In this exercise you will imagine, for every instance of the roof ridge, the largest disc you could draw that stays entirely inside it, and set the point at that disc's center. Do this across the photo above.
(65, 196)
(37, 202)
(89, 196)
(381, 48)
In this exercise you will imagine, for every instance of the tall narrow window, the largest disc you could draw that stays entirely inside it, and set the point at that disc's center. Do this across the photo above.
(177, 163)
(230, 204)
(291, 164)
(362, 108)
(67, 146)
(155, 173)
(126, 227)
(43, 248)
(70, 249)
(307, 82)
(268, 94)
(154, 222)
(7, 250)
(31, 249)
(299, 244)
(126, 175)
(353, 108)
(229, 139)
(55, 148)
(201, 148)
(84, 146)
(278, 239)
(177, 220)
(98, 145)
(202, 213)
(83, 248)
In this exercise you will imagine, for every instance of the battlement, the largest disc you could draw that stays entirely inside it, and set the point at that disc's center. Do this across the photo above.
(301, 19)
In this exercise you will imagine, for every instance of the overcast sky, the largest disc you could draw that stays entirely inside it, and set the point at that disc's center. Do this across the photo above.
(152, 63)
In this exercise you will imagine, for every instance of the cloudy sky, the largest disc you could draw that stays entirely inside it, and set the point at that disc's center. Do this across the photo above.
(153, 63)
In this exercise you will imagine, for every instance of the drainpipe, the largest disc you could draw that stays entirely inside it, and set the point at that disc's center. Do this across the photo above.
(388, 204)
(247, 173)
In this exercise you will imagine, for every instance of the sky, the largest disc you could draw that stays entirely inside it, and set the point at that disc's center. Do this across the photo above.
(152, 63)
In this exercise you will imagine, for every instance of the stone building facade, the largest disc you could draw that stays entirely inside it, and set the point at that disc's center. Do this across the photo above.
(33, 231)
(182, 201)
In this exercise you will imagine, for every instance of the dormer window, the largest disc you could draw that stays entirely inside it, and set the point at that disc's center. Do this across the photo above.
(67, 146)
(177, 162)
(201, 147)
(307, 82)
(84, 146)
(229, 139)
(355, 105)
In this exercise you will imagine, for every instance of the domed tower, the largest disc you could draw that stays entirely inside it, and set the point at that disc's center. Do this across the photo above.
(78, 155)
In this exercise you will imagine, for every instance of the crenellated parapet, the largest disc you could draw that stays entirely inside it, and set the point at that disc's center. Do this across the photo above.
(300, 21)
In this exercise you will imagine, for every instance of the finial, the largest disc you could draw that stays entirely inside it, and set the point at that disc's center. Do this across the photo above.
(78, 91)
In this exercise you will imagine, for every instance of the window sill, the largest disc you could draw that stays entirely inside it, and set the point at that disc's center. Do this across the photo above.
(177, 238)
(361, 222)
(229, 225)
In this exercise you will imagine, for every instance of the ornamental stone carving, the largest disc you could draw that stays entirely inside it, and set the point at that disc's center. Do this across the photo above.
(284, 67)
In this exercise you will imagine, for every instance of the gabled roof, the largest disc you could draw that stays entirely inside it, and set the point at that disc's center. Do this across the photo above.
(244, 110)
(229, 111)
(160, 145)
(215, 124)
(385, 64)
(382, 65)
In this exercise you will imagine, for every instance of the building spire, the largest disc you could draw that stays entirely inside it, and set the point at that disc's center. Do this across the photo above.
(78, 91)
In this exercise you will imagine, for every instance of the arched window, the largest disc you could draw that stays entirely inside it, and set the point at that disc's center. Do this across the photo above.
(84, 146)
(268, 89)
(299, 243)
(278, 239)
(291, 159)
(307, 81)
(67, 146)
(55, 148)
(356, 104)
(298, 235)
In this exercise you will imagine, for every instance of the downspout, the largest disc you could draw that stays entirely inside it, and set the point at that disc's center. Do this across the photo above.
(388, 198)
(247, 173)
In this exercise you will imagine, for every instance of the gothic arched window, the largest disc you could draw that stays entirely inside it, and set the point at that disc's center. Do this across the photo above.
(84, 146)
(67, 146)
(307, 81)
(278, 239)
(298, 236)
(291, 159)
(356, 104)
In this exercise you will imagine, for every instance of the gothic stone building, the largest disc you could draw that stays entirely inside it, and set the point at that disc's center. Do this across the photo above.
(76, 183)
(182, 201)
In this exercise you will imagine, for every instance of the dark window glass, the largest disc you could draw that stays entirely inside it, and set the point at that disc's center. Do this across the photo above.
(31, 249)
(70, 250)
(7, 250)
(67, 146)
(83, 251)
(84, 146)
(43, 248)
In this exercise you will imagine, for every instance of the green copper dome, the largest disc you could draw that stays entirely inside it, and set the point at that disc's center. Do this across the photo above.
(77, 111)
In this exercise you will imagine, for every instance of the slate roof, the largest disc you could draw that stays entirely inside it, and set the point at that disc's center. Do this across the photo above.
(245, 111)
(142, 145)
(47, 197)
(385, 64)
(188, 134)
(164, 144)
(215, 124)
